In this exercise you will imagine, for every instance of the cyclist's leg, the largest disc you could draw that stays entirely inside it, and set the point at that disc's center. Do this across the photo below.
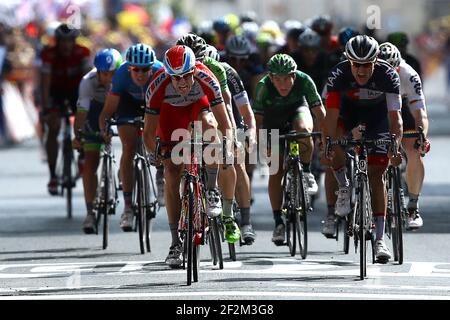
(378, 163)
(415, 170)
(331, 191)
(303, 122)
(53, 124)
(127, 135)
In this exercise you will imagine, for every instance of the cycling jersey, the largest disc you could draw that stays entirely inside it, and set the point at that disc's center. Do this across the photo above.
(368, 104)
(278, 110)
(239, 96)
(176, 110)
(91, 98)
(218, 70)
(90, 89)
(412, 94)
(132, 96)
(66, 74)
(122, 81)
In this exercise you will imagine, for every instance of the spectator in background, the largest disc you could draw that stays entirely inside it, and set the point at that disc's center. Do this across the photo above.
(401, 41)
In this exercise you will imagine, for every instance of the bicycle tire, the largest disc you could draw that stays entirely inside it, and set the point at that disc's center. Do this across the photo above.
(362, 229)
(105, 199)
(212, 244)
(140, 214)
(190, 233)
(216, 236)
(291, 223)
(67, 175)
(147, 213)
(301, 212)
(396, 225)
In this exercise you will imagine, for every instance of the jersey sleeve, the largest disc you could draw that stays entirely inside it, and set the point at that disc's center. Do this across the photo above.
(210, 86)
(238, 92)
(154, 96)
(118, 85)
(335, 86)
(85, 95)
(310, 91)
(218, 70)
(411, 86)
(391, 83)
(260, 96)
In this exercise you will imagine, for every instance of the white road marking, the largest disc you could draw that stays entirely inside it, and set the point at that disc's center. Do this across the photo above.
(203, 294)
(281, 266)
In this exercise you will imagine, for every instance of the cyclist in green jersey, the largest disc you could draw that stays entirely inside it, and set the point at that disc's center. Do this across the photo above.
(282, 97)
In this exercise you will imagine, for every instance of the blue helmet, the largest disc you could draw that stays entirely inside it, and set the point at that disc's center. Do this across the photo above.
(140, 55)
(108, 60)
(345, 34)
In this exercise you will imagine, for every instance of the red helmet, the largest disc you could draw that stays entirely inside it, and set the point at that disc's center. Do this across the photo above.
(179, 60)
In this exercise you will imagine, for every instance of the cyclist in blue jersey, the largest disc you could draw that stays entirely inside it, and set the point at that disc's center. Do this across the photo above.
(91, 96)
(127, 100)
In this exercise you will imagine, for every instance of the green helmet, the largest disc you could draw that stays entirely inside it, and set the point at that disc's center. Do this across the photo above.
(282, 64)
(399, 39)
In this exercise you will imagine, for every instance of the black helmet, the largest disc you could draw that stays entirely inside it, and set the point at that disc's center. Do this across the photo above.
(65, 30)
(195, 42)
(362, 49)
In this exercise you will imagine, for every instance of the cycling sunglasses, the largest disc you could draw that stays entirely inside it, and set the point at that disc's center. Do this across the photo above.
(140, 69)
(361, 65)
(182, 76)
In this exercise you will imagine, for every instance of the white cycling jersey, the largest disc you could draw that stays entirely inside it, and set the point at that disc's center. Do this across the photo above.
(90, 89)
(411, 86)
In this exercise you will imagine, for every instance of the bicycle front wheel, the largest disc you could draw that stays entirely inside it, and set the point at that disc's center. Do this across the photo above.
(362, 221)
(140, 205)
(68, 176)
(105, 201)
(301, 211)
(396, 218)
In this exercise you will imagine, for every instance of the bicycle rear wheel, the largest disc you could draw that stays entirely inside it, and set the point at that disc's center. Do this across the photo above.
(105, 201)
(396, 217)
(68, 177)
(216, 245)
(190, 234)
(140, 199)
(301, 211)
(362, 229)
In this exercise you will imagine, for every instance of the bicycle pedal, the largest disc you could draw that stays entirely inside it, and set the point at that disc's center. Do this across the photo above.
(329, 236)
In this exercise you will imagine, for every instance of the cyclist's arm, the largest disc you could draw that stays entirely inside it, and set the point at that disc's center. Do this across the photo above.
(421, 120)
(151, 123)
(395, 117)
(412, 84)
(111, 104)
(333, 104)
(85, 96)
(227, 99)
(315, 102)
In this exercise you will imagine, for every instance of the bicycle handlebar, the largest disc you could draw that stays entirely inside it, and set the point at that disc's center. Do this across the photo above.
(299, 135)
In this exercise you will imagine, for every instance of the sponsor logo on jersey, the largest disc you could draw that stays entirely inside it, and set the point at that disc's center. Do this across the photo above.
(204, 77)
(334, 74)
(414, 79)
(393, 75)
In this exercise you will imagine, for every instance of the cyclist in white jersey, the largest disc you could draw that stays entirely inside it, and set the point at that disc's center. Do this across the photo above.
(414, 116)
(92, 93)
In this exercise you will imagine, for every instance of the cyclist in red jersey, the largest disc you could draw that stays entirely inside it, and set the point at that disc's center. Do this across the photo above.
(181, 93)
(63, 66)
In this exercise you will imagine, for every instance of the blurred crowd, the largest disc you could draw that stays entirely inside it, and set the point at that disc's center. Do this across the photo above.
(127, 23)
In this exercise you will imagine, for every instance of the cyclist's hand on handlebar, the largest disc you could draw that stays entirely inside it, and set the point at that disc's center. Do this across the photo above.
(154, 159)
(423, 148)
(107, 136)
(395, 159)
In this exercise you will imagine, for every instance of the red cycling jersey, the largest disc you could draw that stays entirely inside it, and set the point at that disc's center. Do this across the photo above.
(66, 72)
(175, 110)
